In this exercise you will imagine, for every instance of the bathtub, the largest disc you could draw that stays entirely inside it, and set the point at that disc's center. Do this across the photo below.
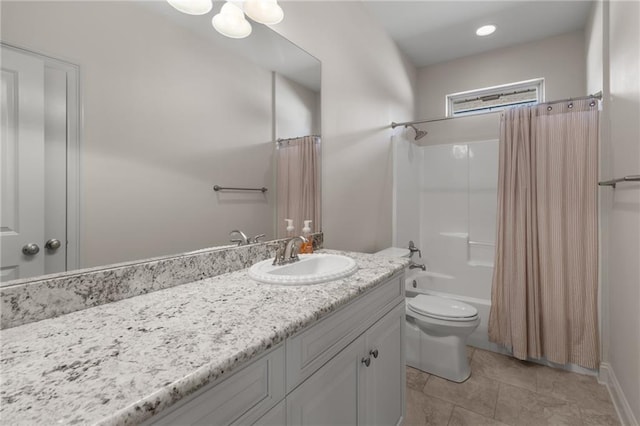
(437, 284)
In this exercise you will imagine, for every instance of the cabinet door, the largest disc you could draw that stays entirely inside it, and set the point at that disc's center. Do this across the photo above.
(330, 396)
(384, 379)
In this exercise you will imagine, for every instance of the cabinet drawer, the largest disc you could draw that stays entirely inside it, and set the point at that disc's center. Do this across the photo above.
(309, 350)
(243, 397)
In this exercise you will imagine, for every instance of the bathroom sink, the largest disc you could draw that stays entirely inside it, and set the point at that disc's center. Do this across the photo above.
(310, 269)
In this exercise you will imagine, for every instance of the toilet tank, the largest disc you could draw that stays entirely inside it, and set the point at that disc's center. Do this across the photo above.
(394, 252)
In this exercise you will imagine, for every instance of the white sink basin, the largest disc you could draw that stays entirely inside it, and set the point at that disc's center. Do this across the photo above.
(310, 269)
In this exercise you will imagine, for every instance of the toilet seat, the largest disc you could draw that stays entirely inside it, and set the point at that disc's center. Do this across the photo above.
(441, 308)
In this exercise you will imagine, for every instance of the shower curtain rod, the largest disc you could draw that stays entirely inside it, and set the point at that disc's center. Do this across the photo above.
(290, 139)
(597, 95)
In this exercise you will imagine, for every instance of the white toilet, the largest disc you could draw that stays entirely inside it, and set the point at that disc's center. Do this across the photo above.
(437, 329)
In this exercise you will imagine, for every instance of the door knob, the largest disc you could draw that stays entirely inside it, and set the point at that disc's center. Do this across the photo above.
(366, 361)
(374, 353)
(53, 244)
(30, 249)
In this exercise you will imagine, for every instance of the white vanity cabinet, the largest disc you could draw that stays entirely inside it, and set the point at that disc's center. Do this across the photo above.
(362, 385)
(347, 369)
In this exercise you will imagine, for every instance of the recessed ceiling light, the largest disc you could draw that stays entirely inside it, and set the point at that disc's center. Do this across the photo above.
(485, 30)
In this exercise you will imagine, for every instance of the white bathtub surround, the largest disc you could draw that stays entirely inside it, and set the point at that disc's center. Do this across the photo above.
(545, 283)
(49, 296)
(122, 362)
(446, 200)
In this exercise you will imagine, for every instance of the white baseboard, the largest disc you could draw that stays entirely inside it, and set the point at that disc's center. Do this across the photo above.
(608, 378)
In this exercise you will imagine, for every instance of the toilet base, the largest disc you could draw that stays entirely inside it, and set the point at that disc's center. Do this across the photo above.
(442, 356)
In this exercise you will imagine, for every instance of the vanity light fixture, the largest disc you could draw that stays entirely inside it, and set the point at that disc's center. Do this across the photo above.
(192, 7)
(485, 30)
(231, 22)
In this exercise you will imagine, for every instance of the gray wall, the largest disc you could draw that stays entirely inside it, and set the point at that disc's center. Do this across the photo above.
(366, 84)
(618, 22)
(560, 60)
(297, 109)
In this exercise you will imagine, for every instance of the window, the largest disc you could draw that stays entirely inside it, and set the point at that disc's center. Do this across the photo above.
(495, 98)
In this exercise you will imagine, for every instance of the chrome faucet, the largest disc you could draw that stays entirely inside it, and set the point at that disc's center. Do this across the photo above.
(242, 240)
(289, 252)
(291, 249)
(414, 265)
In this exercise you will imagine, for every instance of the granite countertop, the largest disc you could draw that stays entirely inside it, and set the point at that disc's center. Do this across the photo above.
(122, 362)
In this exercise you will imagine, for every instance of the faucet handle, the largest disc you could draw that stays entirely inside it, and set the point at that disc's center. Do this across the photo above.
(414, 249)
(256, 239)
(279, 259)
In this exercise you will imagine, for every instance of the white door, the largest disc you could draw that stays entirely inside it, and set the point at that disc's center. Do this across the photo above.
(32, 166)
(22, 221)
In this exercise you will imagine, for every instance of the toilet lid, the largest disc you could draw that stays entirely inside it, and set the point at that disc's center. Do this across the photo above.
(441, 308)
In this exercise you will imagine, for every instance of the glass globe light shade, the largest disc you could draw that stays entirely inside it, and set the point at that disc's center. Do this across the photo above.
(230, 22)
(264, 11)
(192, 7)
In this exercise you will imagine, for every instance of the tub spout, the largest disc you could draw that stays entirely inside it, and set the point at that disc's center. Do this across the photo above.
(414, 265)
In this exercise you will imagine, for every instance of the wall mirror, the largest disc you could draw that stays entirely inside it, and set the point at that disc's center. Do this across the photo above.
(157, 108)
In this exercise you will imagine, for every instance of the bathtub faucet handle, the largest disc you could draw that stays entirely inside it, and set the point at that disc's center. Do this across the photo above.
(414, 249)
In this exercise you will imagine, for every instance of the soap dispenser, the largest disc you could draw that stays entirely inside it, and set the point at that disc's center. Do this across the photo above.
(290, 227)
(306, 233)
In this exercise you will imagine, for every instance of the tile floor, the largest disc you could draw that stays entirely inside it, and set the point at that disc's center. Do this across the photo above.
(505, 391)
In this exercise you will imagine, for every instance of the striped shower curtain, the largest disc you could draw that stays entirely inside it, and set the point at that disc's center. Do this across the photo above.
(545, 281)
(298, 186)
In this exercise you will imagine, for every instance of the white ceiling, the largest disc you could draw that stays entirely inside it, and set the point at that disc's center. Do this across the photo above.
(429, 32)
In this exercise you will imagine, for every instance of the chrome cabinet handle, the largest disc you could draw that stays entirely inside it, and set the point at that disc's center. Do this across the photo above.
(30, 249)
(374, 353)
(53, 244)
(366, 361)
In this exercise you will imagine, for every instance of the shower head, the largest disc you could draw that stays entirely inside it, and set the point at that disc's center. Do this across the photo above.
(419, 133)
